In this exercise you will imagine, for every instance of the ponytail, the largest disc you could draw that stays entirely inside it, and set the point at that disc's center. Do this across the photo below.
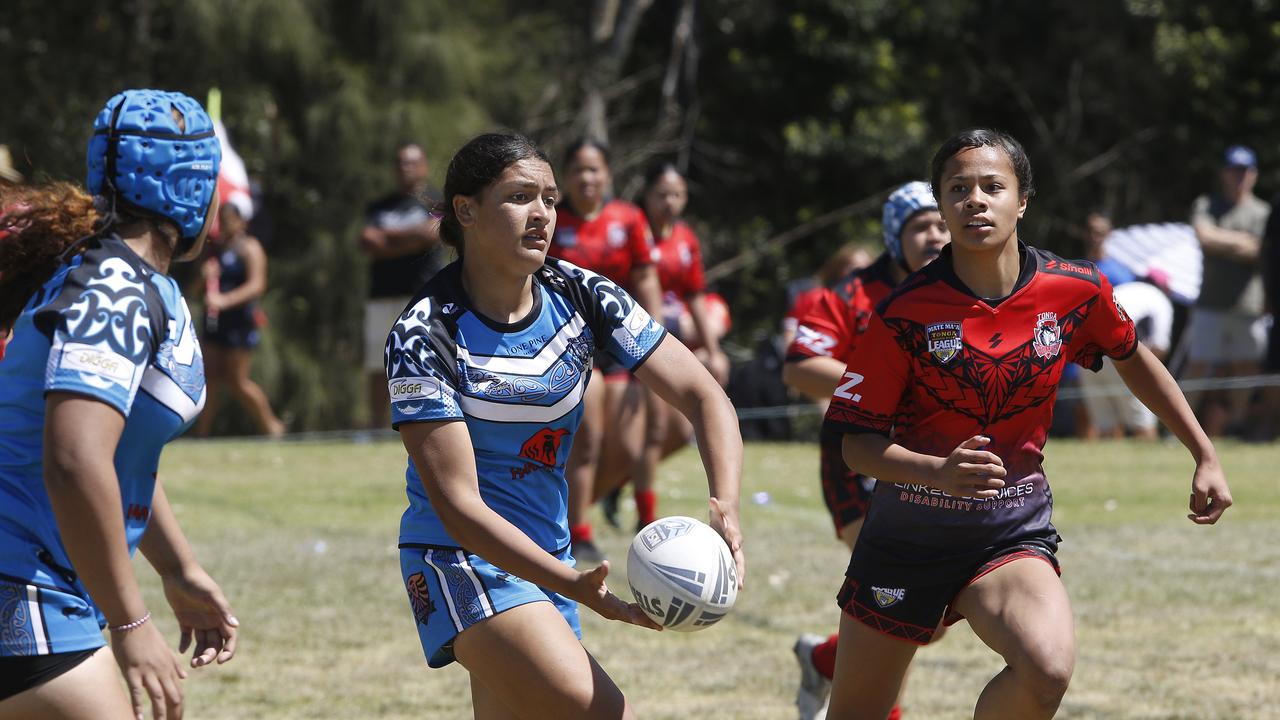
(37, 225)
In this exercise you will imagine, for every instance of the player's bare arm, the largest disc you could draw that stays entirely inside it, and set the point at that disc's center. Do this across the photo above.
(678, 378)
(814, 377)
(1151, 383)
(442, 452)
(968, 471)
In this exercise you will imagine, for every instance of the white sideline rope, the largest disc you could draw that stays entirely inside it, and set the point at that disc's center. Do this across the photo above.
(795, 410)
(1068, 393)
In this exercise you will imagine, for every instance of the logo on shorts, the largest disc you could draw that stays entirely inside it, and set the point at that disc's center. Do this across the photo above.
(419, 597)
(1047, 336)
(944, 340)
(544, 445)
(887, 596)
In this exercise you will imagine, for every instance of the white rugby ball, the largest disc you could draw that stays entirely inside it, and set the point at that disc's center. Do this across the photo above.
(682, 574)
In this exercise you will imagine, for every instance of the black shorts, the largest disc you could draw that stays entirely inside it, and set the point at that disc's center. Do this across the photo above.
(234, 328)
(19, 673)
(847, 493)
(908, 599)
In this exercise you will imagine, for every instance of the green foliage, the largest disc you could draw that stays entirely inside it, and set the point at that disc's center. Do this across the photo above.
(791, 111)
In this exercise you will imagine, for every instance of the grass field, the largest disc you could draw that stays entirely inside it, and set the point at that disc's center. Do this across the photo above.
(1173, 620)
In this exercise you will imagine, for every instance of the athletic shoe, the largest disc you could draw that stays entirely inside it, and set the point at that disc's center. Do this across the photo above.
(585, 551)
(609, 505)
(811, 698)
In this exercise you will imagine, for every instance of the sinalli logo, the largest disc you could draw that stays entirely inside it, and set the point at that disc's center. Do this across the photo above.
(888, 596)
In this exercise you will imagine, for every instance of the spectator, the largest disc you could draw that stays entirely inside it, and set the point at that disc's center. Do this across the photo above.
(1097, 227)
(1113, 410)
(403, 241)
(1226, 330)
(1072, 415)
(1270, 422)
(235, 278)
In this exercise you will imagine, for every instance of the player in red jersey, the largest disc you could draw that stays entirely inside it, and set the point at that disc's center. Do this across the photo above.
(681, 273)
(914, 234)
(947, 399)
(610, 237)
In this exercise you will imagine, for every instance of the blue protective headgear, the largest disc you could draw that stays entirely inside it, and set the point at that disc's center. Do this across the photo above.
(140, 158)
(901, 205)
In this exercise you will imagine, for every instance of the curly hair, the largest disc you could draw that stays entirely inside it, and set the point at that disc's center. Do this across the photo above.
(37, 223)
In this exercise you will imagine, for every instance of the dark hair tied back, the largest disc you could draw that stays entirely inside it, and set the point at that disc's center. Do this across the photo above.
(656, 171)
(585, 142)
(473, 168)
(983, 137)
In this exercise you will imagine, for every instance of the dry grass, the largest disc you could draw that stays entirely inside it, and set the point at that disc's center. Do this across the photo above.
(1174, 620)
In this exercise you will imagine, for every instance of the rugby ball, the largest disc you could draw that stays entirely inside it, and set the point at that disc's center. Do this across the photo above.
(682, 574)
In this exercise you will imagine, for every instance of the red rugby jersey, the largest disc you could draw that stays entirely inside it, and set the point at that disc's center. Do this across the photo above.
(612, 243)
(834, 317)
(679, 260)
(938, 365)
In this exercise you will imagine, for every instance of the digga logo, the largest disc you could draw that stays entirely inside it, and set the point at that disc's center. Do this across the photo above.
(544, 445)
(888, 596)
(413, 388)
(945, 341)
(419, 597)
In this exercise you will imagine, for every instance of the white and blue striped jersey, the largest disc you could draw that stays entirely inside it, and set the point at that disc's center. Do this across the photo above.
(518, 387)
(109, 327)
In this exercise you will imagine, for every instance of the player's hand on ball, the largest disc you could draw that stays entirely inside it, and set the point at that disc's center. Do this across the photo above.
(204, 616)
(971, 472)
(1210, 496)
(593, 593)
(724, 520)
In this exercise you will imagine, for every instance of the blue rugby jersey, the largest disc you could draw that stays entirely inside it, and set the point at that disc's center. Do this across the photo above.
(518, 386)
(111, 328)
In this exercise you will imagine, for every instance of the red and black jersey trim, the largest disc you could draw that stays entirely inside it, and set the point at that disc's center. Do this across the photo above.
(845, 419)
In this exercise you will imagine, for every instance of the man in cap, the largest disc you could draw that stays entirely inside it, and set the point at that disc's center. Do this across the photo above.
(1226, 330)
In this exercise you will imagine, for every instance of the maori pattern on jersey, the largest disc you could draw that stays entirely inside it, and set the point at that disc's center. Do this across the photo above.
(409, 341)
(986, 387)
(16, 637)
(112, 312)
(485, 384)
(614, 301)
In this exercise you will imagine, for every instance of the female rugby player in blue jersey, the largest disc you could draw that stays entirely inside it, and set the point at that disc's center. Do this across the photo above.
(102, 371)
(486, 368)
(947, 400)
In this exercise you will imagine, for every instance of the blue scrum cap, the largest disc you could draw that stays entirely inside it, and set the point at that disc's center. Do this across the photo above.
(141, 158)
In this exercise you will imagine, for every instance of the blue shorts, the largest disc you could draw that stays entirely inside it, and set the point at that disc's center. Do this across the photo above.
(42, 620)
(451, 589)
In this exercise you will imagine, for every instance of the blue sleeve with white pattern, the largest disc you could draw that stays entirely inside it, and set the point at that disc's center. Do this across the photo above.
(419, 381)
(103, 341)
(625, 329)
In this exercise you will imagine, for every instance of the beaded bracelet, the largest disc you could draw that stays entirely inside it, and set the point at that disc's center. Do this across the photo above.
(132, 625)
